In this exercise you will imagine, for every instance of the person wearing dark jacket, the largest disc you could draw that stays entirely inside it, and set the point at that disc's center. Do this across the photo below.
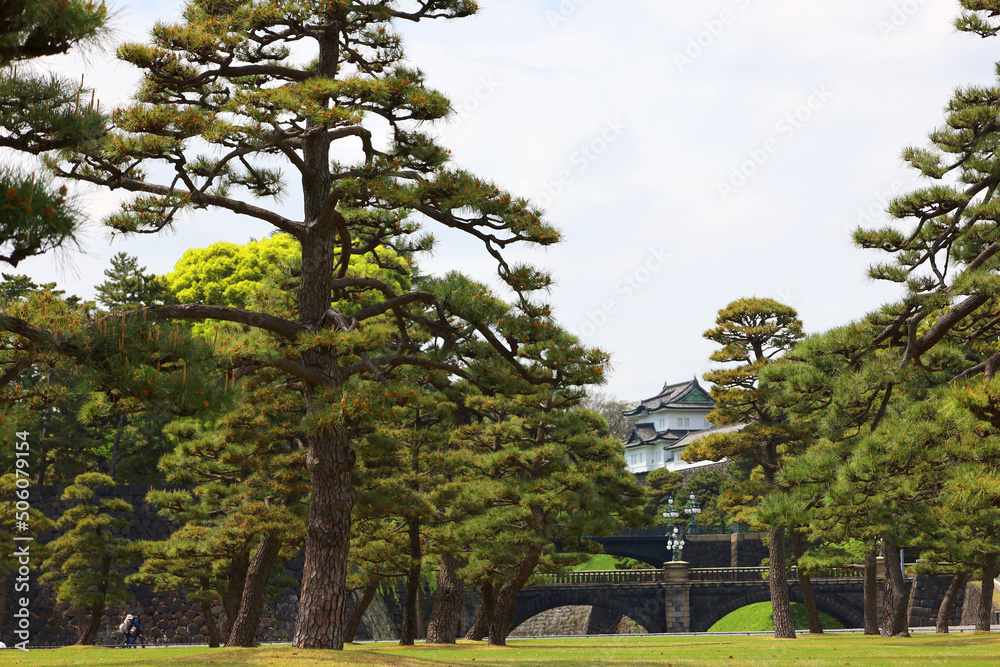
(136, 633)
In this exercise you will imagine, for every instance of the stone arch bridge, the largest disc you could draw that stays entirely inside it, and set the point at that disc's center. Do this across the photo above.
(676, 599)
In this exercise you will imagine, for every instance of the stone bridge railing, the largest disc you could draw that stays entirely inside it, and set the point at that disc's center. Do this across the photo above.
(713, 574)
(755, 574)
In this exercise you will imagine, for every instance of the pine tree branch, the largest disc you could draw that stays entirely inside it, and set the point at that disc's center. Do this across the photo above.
(296, 229)
(393, 304)
(943, 325)
(199, 311)
(12, 372)
(391, 361)
(988, 367)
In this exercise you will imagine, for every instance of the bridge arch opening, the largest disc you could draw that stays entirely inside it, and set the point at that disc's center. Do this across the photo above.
(578, 620)
(757, 617)
(841, 611)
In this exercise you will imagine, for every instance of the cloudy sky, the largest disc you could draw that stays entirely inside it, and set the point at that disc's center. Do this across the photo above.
(692, 152)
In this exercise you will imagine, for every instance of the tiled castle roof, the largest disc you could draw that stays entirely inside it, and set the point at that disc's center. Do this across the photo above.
(646, 433)
(684, 396)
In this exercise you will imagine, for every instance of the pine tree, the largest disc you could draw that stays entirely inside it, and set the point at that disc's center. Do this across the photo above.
(87, 562)
(41, 114)
(18, 518)
(249, 496)
(226, 78)
(543, 471)
(752, 333)
(187, 562)
(128, 286)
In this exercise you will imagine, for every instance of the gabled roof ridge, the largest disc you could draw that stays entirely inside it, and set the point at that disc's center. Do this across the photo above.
(669, 395)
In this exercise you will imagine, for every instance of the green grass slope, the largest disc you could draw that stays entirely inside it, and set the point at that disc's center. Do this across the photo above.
(757, 618)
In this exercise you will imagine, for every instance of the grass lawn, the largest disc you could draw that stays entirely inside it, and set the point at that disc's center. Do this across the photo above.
(964, 650)
(758, 617)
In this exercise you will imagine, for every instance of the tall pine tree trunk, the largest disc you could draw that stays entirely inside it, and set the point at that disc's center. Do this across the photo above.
(420, 616)
(984, 615)
(408, 629)
(481, 627)
(210, 624)
(895, 599)
(324, 598)
(358, 610)
(948, 601)
(91, 625)
(244, 630)
(777, 581)
(237, 578)
(114, 448)
(805, 584)
(446, 603)
(871, 592)
(506, 597)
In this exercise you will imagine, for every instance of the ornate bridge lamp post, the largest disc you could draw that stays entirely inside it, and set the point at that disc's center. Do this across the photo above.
(675, 538)
(675, 543)
(692, 509)
(671, 514)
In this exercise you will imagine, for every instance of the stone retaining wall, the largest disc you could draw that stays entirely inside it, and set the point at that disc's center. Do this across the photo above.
(167, 618)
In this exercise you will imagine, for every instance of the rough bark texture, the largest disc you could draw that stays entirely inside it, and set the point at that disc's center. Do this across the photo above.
(210, 624)
(91, 625)
(421, 620)
(446, 604)
(781, 607)
(894, 601)
(408, 628)
(984, 615)
(358, 610)
(114, 448)
(805, 585)
(948, 601)
(324, 599)
(871, 593)
(234, 592)
(485, 616)
(244, 630)
(506, 597)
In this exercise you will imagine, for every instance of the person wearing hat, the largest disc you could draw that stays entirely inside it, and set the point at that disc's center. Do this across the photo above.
(126, 629)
